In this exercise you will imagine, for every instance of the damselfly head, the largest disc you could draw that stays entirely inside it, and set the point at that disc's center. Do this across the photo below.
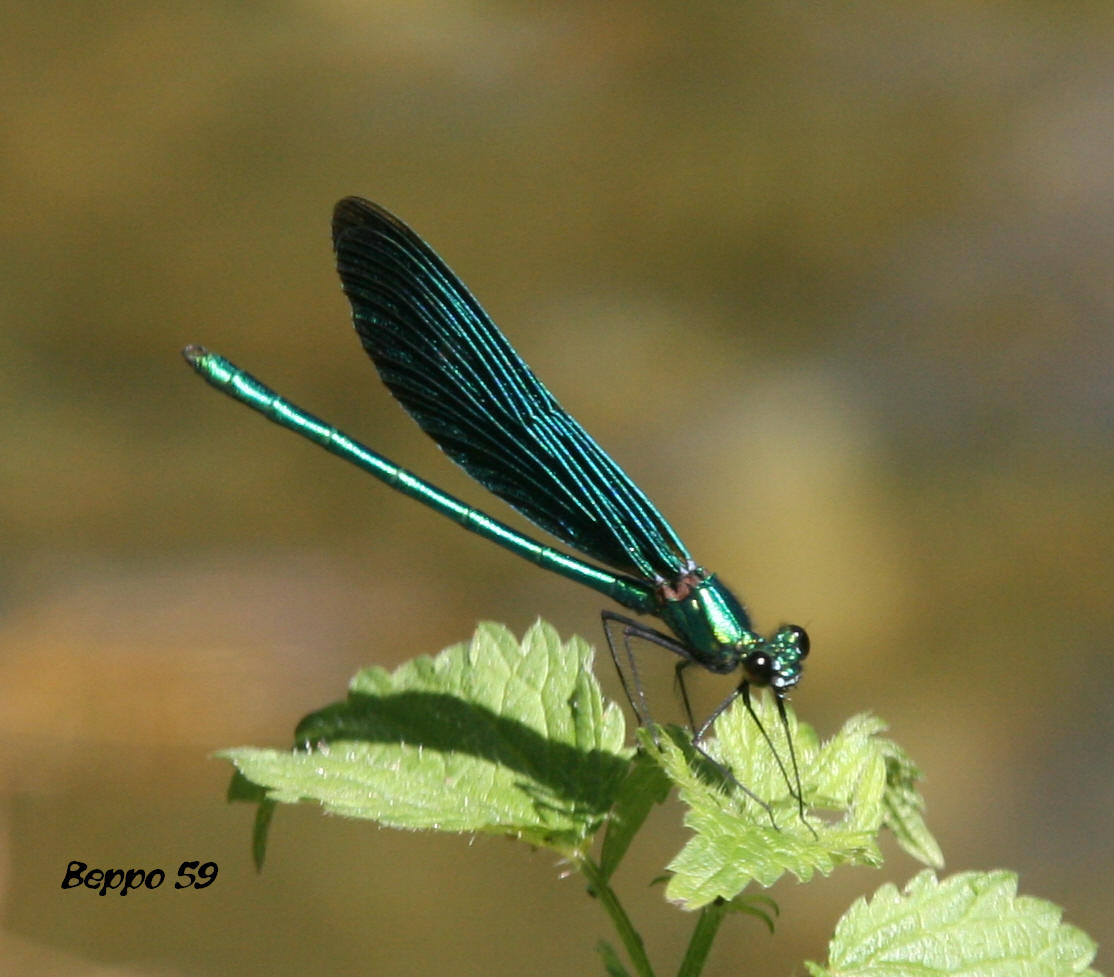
(778, 661)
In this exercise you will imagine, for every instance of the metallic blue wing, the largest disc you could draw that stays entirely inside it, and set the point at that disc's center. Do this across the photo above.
(459, 378)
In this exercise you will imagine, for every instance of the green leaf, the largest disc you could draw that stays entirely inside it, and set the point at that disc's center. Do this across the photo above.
(759, 906)
(611, 962)
(734, 841)
(242, 789)
(972, 923)
(490, 736)
(645, 785)
(905, 807)
(260, 830)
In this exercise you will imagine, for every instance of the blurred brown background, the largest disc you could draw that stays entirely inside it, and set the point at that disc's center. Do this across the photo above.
(833, 285)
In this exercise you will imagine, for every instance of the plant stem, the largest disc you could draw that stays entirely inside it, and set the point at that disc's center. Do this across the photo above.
(623, 926)
(702, 936)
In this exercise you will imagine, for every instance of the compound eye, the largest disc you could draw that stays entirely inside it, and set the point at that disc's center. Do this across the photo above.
(799, 637)
(803, 643)
(759, 667)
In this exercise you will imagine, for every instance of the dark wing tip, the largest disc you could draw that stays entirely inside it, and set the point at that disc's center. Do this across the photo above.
(351, 213)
